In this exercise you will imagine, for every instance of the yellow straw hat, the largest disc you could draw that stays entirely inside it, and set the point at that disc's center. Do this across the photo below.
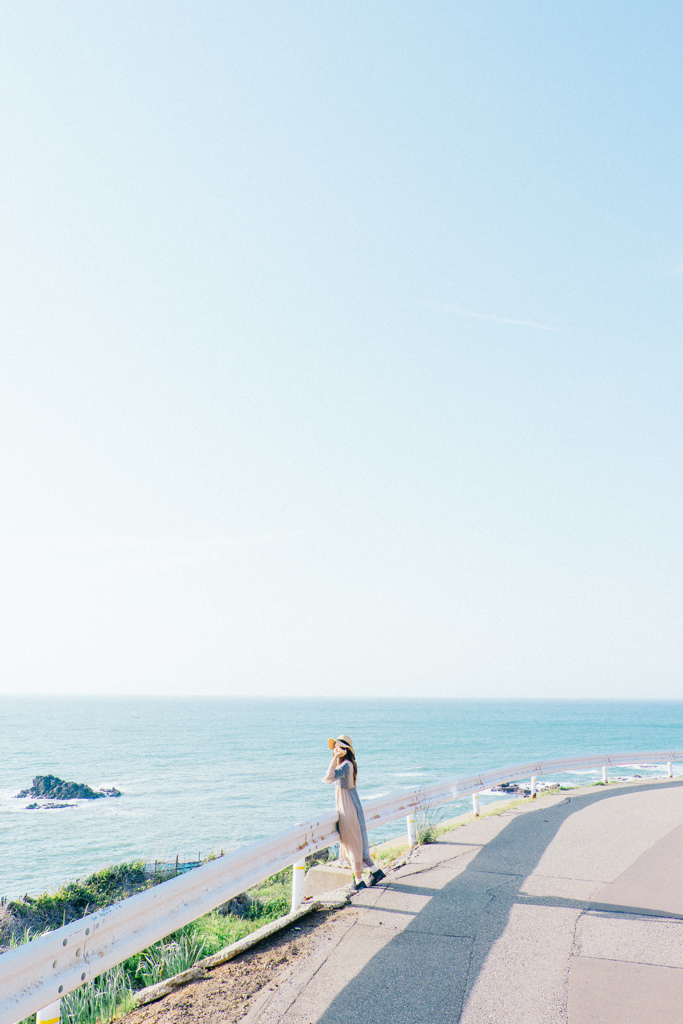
(343, 741)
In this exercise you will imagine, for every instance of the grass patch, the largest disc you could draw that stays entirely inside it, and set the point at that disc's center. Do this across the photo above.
(273, 893)
(103, 999)
(391, 853)
(427, 821)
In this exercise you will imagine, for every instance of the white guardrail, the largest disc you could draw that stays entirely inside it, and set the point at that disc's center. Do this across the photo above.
(35, 975)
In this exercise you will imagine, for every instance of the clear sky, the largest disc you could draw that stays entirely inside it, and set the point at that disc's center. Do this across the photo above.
(341, 348)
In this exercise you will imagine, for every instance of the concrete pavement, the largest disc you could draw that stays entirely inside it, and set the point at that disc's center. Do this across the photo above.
(568, 910)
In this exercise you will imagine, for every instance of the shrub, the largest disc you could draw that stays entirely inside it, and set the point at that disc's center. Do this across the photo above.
(427, 822)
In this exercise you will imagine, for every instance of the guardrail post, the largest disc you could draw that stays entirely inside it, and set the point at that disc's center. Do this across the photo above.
(50, 1014)
(669, 771)
(604, 773)
(412, 830)
(298, 879)
(533, 787)
(475, 804)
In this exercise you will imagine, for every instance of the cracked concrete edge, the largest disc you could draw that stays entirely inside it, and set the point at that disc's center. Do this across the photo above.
(242, 945)
(153, 993)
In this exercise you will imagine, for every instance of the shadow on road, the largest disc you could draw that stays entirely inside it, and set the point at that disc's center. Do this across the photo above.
(426, 972)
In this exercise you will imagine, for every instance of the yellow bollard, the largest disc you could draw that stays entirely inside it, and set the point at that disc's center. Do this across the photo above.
(412, 830)
(298, 879)
(50, 1014)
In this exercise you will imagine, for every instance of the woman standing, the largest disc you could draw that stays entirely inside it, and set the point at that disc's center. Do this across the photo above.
(355, 852)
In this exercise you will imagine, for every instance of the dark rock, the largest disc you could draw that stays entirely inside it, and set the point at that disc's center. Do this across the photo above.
(239, 905)
(47, 807)
(50, 787)
(320, 856)
(110, 792)
(511, 789)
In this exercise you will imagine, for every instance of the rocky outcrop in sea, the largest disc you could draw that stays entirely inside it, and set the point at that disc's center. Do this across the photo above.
(50, 787)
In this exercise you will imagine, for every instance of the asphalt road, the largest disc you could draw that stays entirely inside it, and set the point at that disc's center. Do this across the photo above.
(568, 910)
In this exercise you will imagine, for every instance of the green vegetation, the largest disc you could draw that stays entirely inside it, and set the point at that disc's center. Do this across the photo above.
(113, 993)
(274, 893)
(76, 899)
(386, 855)
(427, 822)
(103, 999)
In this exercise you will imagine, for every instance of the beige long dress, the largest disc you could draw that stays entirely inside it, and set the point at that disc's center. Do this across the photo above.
(355, 852)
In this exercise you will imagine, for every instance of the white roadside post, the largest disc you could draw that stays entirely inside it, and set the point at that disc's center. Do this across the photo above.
(533, 787)
(298, 879)
(50, 1014)
(604, 773)
(475, 804)
(669, 770)
(412, 830)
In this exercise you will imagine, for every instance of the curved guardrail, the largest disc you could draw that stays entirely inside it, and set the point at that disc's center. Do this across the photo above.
(38, 973)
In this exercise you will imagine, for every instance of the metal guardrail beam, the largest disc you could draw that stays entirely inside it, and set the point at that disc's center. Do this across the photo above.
(41, 971)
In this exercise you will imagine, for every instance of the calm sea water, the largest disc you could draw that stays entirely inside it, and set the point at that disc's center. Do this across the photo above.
(206, 775)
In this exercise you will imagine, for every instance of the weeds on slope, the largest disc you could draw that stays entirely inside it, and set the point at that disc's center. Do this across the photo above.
(113, 992)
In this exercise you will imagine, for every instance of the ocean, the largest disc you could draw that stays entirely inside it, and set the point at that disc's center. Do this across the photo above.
(202, 775)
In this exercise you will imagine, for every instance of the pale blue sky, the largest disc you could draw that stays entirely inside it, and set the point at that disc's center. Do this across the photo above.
(341, 348)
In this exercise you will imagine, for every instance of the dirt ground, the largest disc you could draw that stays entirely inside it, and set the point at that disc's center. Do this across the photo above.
(227, 993)
(230, 991)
